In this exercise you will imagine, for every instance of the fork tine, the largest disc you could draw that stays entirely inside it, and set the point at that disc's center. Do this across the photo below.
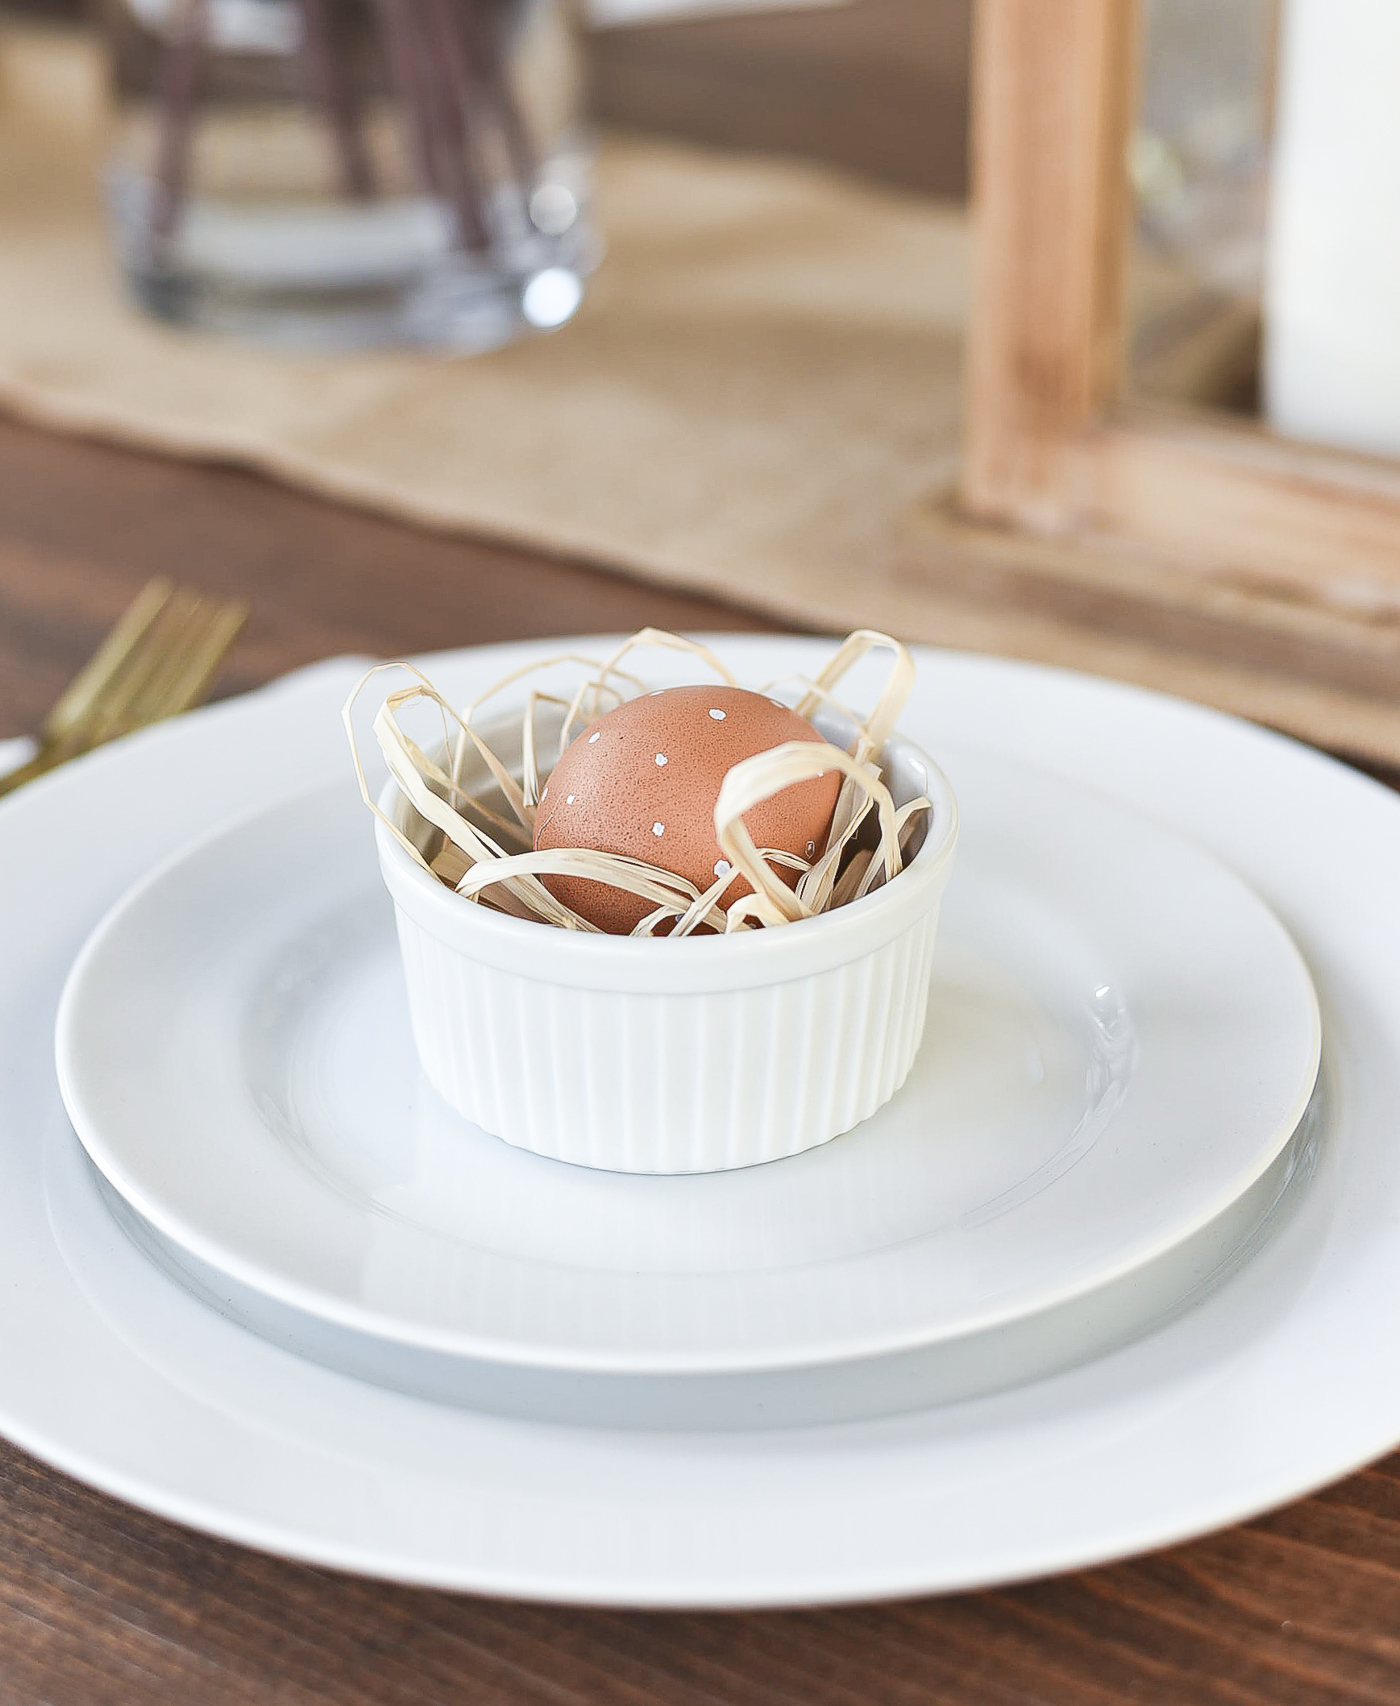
(106, 664)
(102, 710)
(159, 659)
(221, 627)
(174, 684)
(153, 663)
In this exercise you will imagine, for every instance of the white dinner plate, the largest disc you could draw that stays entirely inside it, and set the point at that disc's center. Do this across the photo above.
(1121, 1040)
(1284, 1376)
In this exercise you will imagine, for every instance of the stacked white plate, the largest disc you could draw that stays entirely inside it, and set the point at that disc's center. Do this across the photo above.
(1106, 1273)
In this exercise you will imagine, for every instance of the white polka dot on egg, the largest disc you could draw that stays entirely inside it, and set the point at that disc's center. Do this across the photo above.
(660, 759)
(658, 829)
(718, 716)
(594, 736)
(722, 867)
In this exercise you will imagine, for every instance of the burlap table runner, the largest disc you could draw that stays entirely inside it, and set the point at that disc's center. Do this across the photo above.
(761, 386)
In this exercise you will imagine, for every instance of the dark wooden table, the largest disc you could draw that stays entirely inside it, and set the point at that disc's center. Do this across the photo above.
(101, 1603)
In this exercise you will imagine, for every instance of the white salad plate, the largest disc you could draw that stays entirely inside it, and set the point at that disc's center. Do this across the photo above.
(1121, 1040)
(1282, 1373)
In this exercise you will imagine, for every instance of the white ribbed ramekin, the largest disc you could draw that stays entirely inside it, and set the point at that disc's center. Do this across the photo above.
(653, 1056)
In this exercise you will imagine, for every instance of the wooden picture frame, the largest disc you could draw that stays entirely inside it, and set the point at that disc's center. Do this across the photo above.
(1176, 547)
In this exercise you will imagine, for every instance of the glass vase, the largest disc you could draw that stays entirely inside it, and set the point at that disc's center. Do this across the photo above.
(343, 173)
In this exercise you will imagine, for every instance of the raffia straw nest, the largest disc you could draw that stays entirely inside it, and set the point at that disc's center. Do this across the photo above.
(484, 848)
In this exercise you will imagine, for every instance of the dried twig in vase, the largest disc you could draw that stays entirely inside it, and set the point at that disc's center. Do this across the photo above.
(448, 72)
(442, 39)
(180, 69)
(401, 53)
(331, 87)
(481, 27)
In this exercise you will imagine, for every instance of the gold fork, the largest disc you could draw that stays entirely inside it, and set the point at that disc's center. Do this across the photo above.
(159, 659)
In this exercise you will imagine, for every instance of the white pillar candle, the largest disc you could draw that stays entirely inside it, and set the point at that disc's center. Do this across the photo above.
(1332, 283)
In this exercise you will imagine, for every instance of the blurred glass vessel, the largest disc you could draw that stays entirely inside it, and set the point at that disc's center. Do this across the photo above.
(344, 173)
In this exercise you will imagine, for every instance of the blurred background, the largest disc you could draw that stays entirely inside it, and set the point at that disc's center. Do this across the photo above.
(766, 255)
(880, 89)
(879, 86)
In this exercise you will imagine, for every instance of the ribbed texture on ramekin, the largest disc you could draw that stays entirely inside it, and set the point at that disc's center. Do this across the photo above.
(668, 1083)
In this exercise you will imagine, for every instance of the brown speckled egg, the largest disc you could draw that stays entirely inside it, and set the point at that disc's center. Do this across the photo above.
(643, 780)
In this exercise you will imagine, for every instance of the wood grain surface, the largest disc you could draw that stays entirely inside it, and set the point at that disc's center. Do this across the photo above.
(100, 1603)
